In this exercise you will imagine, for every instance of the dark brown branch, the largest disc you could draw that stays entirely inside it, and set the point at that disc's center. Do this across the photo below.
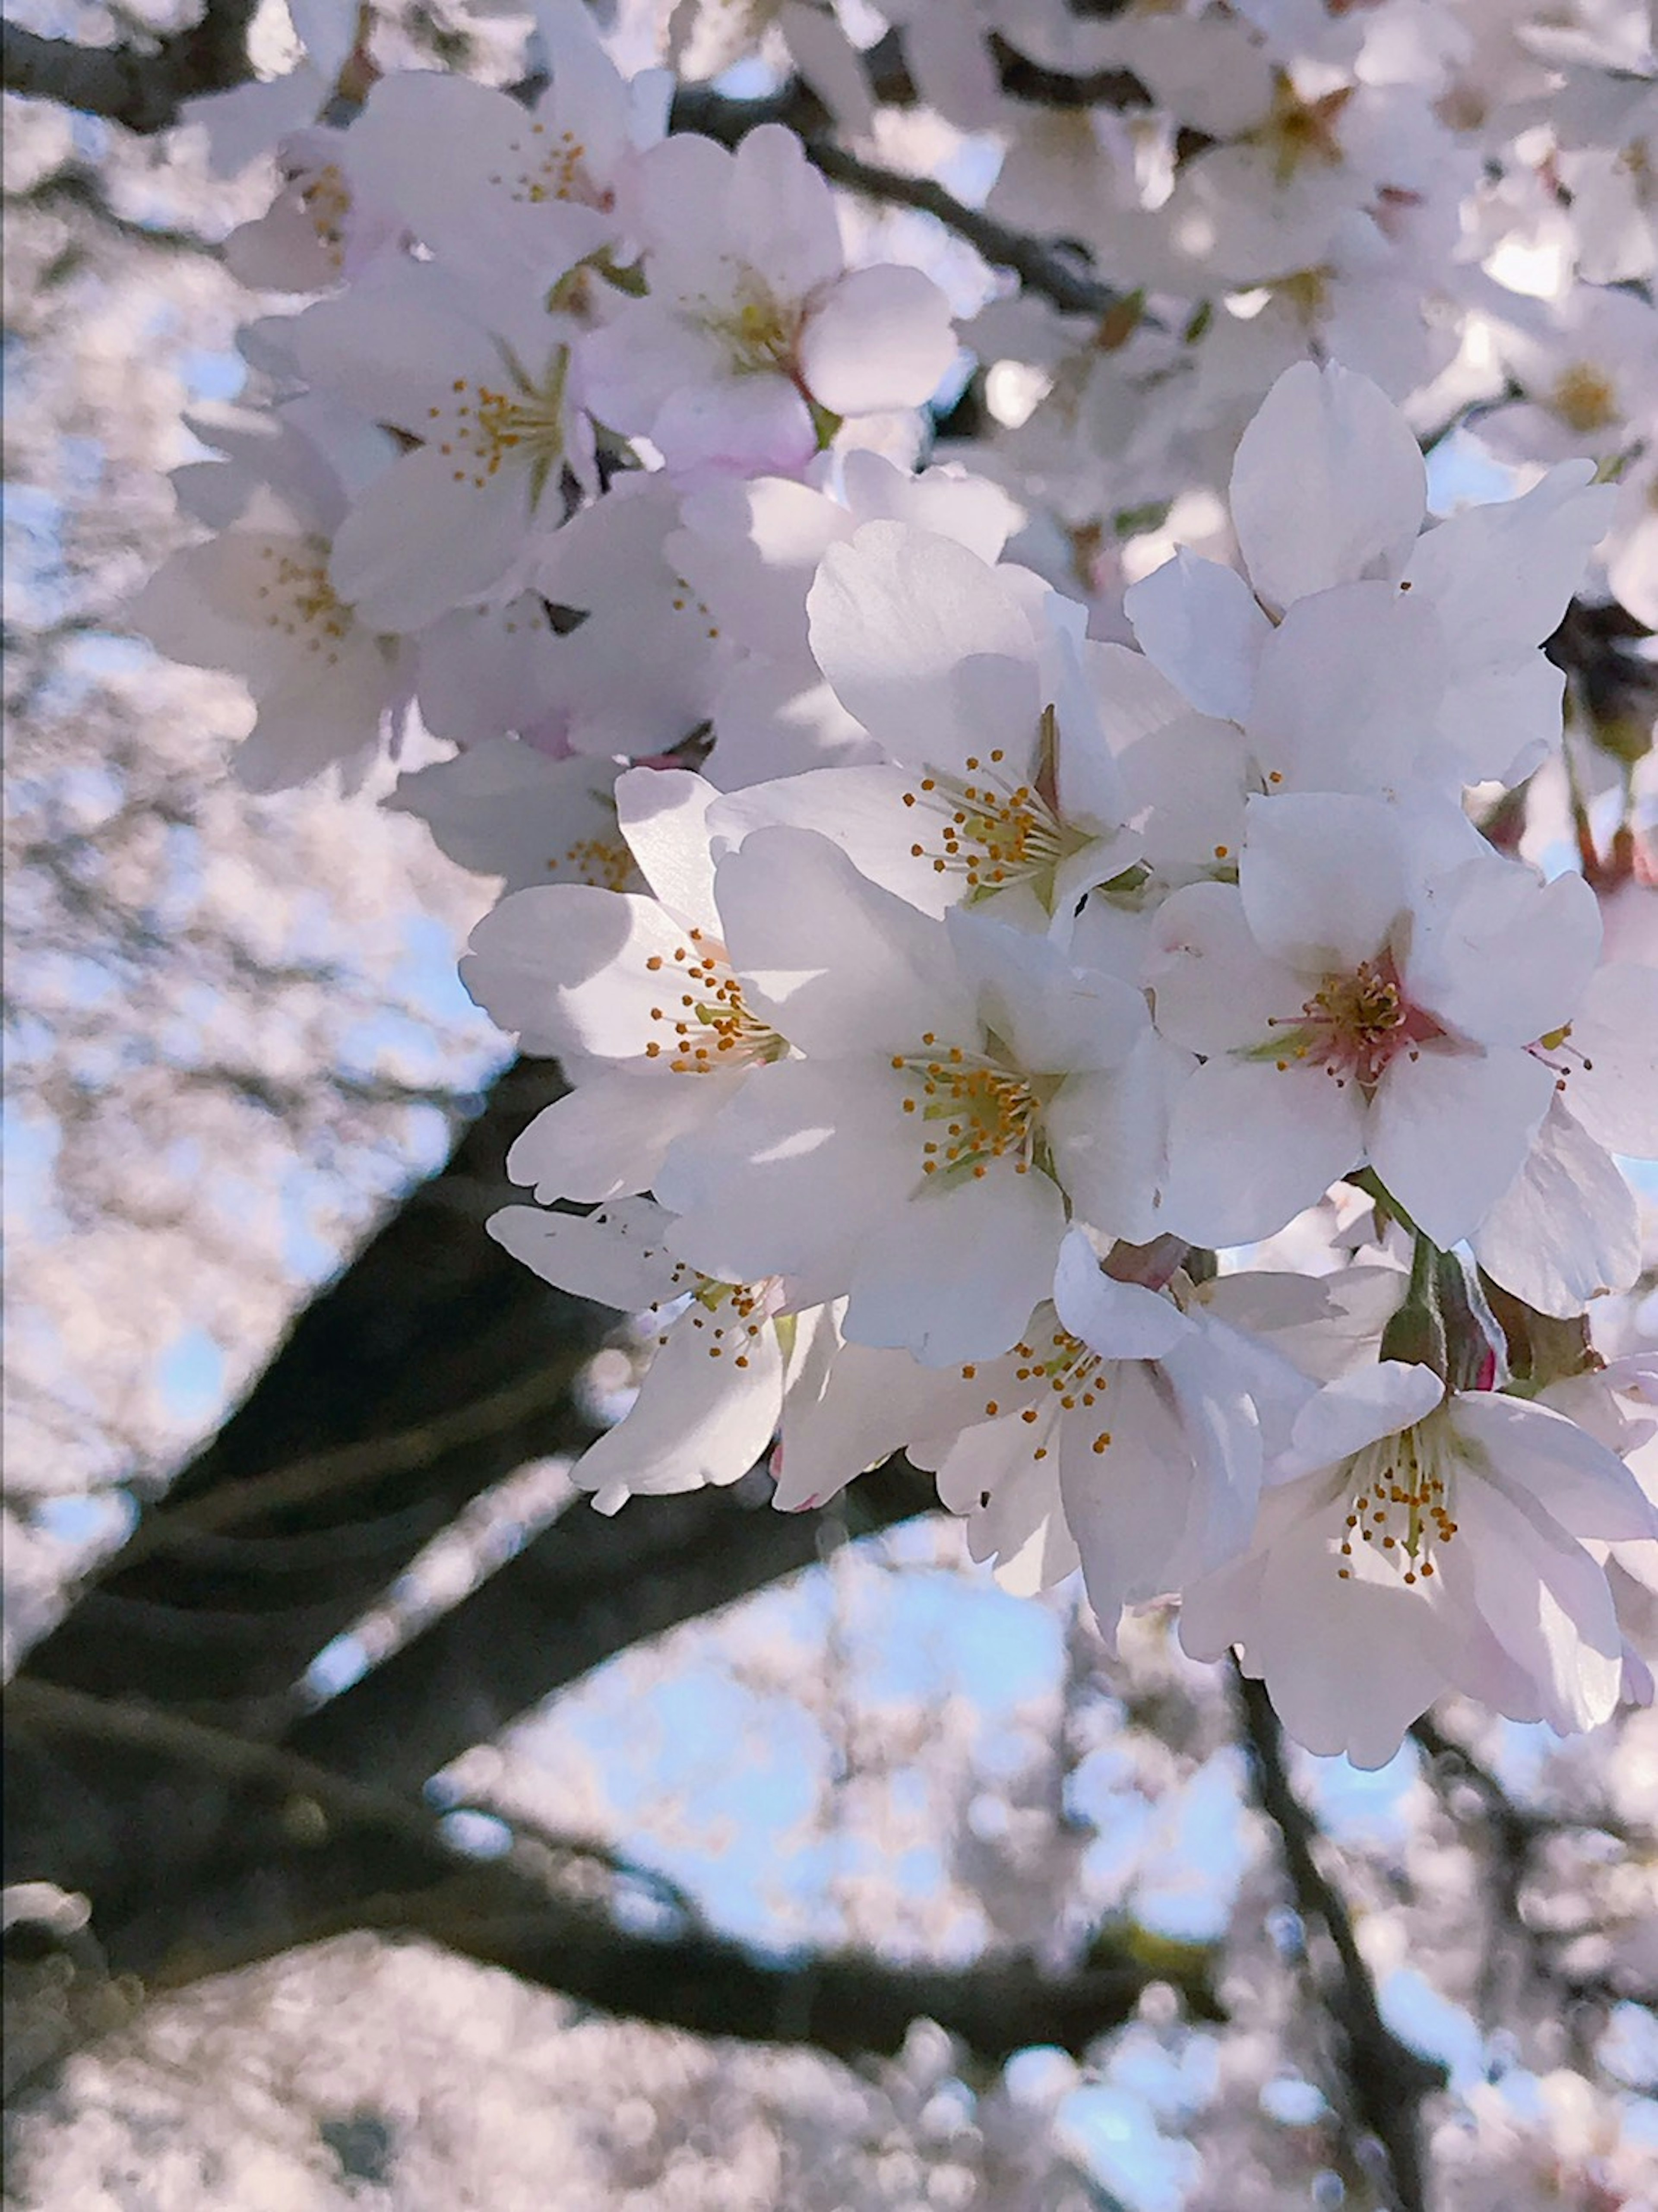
(499, 1913)
(1039, 268)
(79, 189)
(586, 1589)
(126, 84)
(1386, 2080)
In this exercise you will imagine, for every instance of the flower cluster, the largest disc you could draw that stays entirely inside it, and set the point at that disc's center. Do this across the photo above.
(958, 977)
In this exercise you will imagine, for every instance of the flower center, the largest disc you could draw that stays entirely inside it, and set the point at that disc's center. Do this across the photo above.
(1584, 399)
(1352, 1026)
(606, 863)
(724, 1318)
(555, 170)
(1298, 130)
(758, 333)
(481, 428)
(991, 831)
(707, 1022)
(981, 1109)
(326, 199)
(296, 599)
(1075, 1378)
(1401, 1495)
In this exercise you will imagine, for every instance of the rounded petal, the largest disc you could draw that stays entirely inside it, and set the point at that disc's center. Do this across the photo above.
(1359, 1409)
(1611, 1061)
(615, 1256)
(1213, 989)
(919, 1284)
(927, 645)
(882, 337)
(1328, 486)
(1119, 1321)
(1500, 956)
(1567, 1228)
(1201, 625)
(1323, 878)
(1449, 1130)
(1250, 1145)
(839, 965)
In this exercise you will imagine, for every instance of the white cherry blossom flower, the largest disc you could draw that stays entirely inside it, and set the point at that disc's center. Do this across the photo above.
(1361, 655)
(480, 380)
(1354, 1005)
(954, 1078)
(723, 1363)
(259, 599)
(1414, 1542)
(752, 320)
(636, 995)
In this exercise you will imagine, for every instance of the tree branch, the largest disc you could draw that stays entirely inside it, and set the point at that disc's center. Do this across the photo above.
(1386, 2081)
(125, 84)
(1039, 268)
(848, 2004)
(78, 187)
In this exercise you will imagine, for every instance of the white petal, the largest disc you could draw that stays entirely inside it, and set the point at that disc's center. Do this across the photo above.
(565, 965)
(1582, 1486)
(1500, 956)
(1613, 1089)
(417, 542)
(1055, 1018)
(663, 814)
(616, 1257)
(920, 1285)
(1323, 878)
(1328, 486)
(1543, 1598)
(1109, 1137)
(609, 1136)
(838, 964)
(927, 647)
(1567, 1228)
(1214, 990)
(1449, 1130)
(1359, 1409)
(861, 809)
(1128, 1505)
(1348, 692)
(792, 1177)
(1119, 1321)
(881, 337)
(1249, 1146)
(1201, 625)
(869, 1405)
(697, 1419)
(1501, 574)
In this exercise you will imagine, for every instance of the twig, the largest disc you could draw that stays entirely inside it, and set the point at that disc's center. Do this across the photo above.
(75, 185)
(1039, 267)
(1387, 2080)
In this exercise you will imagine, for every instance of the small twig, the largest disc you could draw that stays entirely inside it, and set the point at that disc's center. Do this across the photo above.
(1039, 268)
(75, 185)
(1386, 2081)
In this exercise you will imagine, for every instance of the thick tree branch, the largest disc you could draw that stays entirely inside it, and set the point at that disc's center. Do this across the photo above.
(1386, 2081)
(499, 1913)
(126, 84)
(586, 1589)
